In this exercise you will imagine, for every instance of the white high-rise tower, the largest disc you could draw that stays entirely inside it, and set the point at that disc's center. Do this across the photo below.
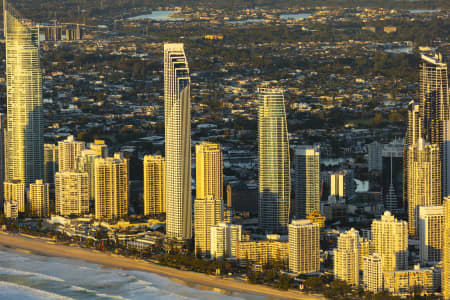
(177, 114)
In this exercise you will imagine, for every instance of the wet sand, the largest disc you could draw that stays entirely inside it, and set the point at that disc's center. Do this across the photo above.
(41, 246)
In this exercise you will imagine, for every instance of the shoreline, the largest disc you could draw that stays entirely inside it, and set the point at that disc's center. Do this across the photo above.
(41, 246)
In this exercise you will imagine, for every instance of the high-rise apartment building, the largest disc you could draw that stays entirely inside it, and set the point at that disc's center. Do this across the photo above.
(86, 163)
(434, 97)
(15, 191)
(424, 180)
(365, 249)
(209, 170)
(2, 153)
(154, 185)
(430, 227)
(445, 273)
(207, 212)
(346, 257)
(224, 240)
(177, 116)
(392, 175)
(307, 181)
(39, 199)
(304, 247)
(412, 136)
(71, 193)
(50, 162)
(68, 151)
(373, 273)
(374, 158)
(274, 162)
(445, 158)
(434, 109)
(390, 240)
(111, 187)
(342, 185)
(100, 148)
(25, 122)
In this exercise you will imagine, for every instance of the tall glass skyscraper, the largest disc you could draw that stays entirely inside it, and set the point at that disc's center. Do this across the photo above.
(177, 114)
(434, 98)
(435, 109)
(274, 162)
(25, 122)
(392, 175)
(307, 181)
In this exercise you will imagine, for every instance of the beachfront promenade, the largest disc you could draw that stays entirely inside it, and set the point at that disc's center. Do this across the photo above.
(40, 246)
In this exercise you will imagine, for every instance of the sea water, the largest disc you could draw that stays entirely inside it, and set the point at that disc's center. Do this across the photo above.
(25, 276)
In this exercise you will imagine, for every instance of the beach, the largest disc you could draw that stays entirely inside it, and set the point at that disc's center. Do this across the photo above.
(43, 247)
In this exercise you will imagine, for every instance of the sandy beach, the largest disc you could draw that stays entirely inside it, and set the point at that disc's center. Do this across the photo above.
(40, 246)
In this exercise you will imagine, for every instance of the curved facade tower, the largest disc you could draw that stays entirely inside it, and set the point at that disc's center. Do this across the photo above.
(435, 109)
(274, 162)
(25, 122)
(177, 116)
(434, 97)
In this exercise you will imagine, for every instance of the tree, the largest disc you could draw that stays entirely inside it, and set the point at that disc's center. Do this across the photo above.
(284, 282)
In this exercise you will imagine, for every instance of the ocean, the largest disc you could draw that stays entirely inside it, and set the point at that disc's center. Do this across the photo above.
(24, 276)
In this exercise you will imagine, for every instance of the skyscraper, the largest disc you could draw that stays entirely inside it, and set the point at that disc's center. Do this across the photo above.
(25, 124)
(412, 136)
(71, 193)
(177, 116)
(435, 108)
(445, 158)
(390, 240)
(304, 247)
(434, 97)
(424, 180)
(307, 181)
(2, 153)
(445, 275)
(209, 170)
(50, 162)
(39, 199)
(68, 151)
(346, 257)
(392, 175)
(207, 212)
(274, 162)
(154, 185)
(85, 162)
(430, 227)
(111, 187)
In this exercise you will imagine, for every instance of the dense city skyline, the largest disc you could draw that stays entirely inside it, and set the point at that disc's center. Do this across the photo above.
(275, 199)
